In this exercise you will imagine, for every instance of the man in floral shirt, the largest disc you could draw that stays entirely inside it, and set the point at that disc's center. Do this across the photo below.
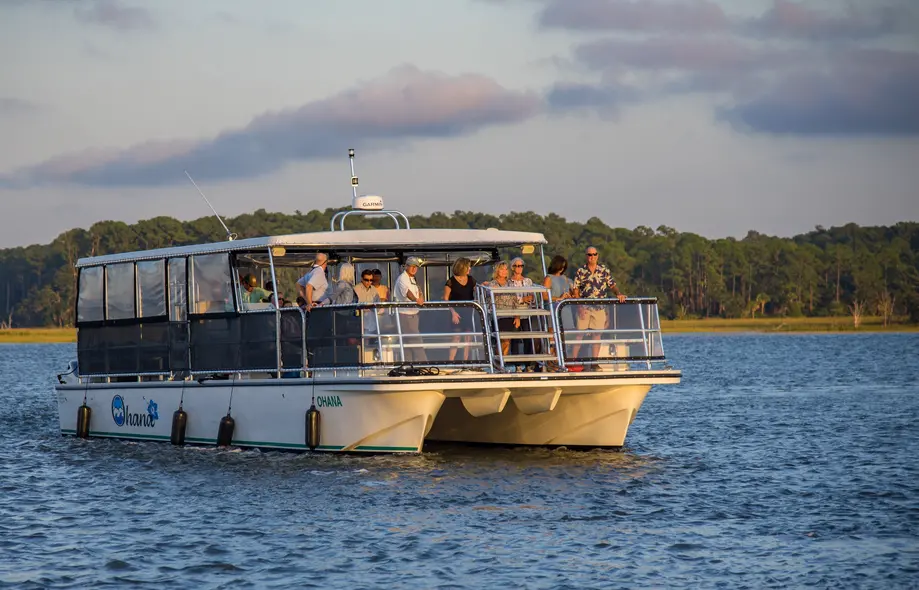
(594, 281)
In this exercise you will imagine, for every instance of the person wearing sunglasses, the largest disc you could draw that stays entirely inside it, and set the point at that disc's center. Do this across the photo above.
(524, 300)
(366, 292)
(593, 281)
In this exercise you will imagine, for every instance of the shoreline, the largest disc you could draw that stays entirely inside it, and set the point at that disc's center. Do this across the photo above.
(829, 325)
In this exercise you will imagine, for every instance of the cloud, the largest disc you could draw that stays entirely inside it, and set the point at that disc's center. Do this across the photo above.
(696, 54)
(783, 19)
(405, 104)
(870, 93)
(633, 15)
(17, 106)
(804, 72)
(606, 97)
(795, 20)
(115, 15)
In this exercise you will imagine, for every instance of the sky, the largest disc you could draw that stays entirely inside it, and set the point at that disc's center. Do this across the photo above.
(708, 117)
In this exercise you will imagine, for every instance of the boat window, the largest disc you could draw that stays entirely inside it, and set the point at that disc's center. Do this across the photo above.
(436, 277)
(151, 286)
(89, 301)
(177, 290)
(119, 291)
(210, 284)
(482, 273)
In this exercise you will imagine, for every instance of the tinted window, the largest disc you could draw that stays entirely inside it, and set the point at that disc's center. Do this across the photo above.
(89, 301)
(210, 284)
(177, 290)
(151, 286)
(119, 289)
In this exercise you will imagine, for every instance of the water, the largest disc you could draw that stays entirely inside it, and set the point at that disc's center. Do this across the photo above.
(781, 460)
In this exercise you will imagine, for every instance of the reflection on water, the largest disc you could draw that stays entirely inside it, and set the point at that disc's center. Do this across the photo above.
(780, 460)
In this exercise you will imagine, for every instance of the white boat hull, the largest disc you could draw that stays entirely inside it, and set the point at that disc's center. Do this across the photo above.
(373, 415)
(272, 415)
(599, 418)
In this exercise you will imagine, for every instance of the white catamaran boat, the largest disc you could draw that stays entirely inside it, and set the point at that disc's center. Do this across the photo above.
(169, 349)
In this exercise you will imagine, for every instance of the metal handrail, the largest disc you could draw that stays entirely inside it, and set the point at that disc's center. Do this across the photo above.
(647, 333)
(392, 214)
(400, 336)
(486, 293)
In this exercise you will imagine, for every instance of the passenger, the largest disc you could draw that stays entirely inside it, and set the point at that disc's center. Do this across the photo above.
(504, 301)
(282, 302)
(560, 287)
(407, 289)
(460, 287)
(313, 286)
(366, 292)
(558, 283)
(524, 300)
(269, 286)
(593, 281)
(383, 290)
(343, 291)
(252, 293)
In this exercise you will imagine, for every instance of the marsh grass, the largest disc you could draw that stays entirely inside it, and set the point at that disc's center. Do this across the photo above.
(38, 335)
(828, 324)
(770, 324)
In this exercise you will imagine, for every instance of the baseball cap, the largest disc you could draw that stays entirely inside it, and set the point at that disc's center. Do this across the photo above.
(413, 261)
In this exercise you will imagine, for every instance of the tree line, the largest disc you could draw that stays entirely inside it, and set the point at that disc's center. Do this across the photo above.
(825, 272)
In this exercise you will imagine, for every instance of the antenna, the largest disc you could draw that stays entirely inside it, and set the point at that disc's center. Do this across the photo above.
(230, 236)
(353, 177)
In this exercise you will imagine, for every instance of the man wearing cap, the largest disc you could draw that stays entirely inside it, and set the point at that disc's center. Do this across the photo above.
(312, 286)
(252, 292)
(407, 289)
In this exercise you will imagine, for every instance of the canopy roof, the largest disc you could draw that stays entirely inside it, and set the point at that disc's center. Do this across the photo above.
(366, 240)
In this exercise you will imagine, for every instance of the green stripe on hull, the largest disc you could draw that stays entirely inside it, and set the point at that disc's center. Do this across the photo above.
(129, 436)
(246, 443)
(390, 449)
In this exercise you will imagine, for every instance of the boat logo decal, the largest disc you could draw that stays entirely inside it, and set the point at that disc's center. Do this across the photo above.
(121, 414)
(118, 410)
(152, 410)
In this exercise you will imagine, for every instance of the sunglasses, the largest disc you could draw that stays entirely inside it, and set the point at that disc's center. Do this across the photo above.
(591, 253)
(518, 266)
(366, 279)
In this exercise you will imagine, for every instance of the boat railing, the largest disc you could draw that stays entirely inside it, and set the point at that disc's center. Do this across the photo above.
(530, 342)
(372, 339)
(392, 214)
(611, 334)
(389, 335)
(259, 340)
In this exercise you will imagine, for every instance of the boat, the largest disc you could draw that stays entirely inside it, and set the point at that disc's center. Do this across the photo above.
(170, 348)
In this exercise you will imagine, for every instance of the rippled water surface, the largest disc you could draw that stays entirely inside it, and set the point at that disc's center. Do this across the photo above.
(780, 460)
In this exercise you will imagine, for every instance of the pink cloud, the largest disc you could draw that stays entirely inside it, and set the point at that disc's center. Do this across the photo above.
(404, 104)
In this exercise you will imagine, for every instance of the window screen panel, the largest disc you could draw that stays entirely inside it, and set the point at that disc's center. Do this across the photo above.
(210, 284)
(151, 284)
(89, 301)
(177, 290)
(119, 288)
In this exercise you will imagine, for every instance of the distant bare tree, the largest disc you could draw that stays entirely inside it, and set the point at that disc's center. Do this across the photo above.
(858, 309)
(886, 305)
